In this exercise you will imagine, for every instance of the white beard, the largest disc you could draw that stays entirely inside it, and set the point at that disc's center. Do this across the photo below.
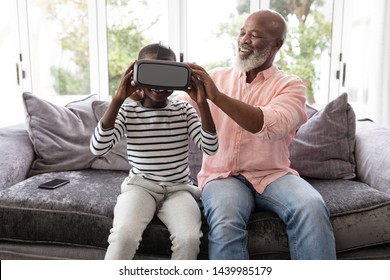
(254, 60)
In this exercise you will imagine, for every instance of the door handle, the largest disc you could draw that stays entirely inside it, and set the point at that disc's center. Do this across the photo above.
(17, 74)
(344, 73)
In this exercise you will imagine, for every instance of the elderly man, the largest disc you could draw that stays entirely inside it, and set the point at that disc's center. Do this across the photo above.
(257, 109)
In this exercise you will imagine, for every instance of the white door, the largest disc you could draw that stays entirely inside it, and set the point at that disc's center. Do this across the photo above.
(44, 50)
(365, 60)
(12, 73)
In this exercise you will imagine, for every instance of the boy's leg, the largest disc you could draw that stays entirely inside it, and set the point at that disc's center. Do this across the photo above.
(181, 214)
(133, 211)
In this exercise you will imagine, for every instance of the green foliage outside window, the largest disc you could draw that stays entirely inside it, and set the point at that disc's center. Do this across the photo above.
(124, 41)
(306, 42)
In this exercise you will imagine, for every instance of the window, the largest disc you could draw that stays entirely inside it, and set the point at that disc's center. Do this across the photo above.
(213, 42)
(130, 26)
(61, 49)
(306, 52)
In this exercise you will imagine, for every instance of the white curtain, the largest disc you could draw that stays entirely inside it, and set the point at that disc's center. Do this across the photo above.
(379, 80)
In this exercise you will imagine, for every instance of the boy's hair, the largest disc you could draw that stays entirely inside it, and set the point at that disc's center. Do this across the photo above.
(163, 52)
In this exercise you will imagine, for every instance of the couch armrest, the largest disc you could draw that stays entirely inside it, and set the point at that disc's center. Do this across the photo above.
(17, 155)
(372, 153)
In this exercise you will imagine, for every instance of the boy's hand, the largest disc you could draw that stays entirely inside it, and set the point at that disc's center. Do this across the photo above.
(196, 91)
(127, 87)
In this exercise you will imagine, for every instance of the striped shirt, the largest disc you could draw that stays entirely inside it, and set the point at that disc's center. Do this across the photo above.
(157, 140)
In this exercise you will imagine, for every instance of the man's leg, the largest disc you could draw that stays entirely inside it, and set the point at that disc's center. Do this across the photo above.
(228, 204)
(305, 214)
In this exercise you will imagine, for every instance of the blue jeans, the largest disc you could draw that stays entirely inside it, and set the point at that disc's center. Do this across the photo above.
(228, 204)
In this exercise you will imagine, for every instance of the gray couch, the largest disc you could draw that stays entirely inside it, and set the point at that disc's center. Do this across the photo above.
(346, 160)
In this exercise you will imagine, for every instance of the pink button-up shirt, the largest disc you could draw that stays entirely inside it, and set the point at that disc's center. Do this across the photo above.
(261, 157)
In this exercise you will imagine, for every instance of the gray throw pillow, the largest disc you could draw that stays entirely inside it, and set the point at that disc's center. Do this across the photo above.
(324, 146)
(60, 134)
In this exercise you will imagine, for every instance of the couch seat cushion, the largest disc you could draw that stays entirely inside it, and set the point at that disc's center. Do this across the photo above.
(359, 215)
(79, 213)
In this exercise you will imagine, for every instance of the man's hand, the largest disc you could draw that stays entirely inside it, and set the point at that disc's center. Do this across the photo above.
(201, 74)
(249, 117)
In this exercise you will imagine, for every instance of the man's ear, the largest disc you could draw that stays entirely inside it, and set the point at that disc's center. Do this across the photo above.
(278, 44)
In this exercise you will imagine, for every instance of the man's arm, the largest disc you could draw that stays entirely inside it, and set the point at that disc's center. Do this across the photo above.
(249, 117)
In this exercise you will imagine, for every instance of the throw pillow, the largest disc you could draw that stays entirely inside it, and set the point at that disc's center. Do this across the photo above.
(60, 134)
(323, 147)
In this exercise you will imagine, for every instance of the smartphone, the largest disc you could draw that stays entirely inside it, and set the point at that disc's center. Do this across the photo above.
(53, 184)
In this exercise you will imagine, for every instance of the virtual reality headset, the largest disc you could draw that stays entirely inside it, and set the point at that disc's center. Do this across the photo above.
(162, 74)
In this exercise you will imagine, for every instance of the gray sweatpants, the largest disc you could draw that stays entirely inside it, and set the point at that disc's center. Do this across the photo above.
(139, 201)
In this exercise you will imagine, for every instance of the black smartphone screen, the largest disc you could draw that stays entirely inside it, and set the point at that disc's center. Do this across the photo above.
(53, 184)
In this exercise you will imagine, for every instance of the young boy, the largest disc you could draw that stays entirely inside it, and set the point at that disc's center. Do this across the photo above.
(157, 131)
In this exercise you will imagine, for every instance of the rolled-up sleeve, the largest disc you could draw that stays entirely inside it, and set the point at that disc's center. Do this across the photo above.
(286, 112)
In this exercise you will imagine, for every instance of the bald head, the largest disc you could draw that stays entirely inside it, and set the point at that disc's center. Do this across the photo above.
(273, 22)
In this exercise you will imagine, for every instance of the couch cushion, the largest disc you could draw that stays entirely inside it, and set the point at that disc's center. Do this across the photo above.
(373, 155)
(359, 215)
(61, 135)
(323, 147)
(17, 154)
(79, 213)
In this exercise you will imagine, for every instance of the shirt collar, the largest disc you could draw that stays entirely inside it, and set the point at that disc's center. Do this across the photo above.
(264, 75)
(269, 72)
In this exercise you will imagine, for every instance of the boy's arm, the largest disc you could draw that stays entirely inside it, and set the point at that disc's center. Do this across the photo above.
(105, 135)
(206, 118)
(207, 139)
(197, 93)
(126, 89)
